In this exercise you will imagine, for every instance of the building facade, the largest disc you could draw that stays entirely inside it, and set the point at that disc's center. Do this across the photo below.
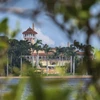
(30, 36)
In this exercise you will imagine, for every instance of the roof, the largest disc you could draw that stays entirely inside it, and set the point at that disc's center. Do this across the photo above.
(83, 53)
(80, 53)
(29, 30)
(42, 54)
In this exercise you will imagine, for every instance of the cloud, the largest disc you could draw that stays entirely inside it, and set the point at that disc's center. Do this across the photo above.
(45, 39)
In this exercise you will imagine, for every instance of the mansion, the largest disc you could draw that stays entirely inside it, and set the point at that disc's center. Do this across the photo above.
(30, 36)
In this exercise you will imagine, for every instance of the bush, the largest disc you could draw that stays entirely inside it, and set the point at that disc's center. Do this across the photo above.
(16, 71)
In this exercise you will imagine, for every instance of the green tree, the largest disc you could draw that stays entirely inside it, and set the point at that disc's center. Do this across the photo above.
(17, 50)
(47, 50)
(37, 46)
(59, 55)
(81, 48)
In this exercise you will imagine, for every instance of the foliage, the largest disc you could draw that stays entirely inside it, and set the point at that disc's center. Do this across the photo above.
(27, 70)
(16, 71)
(78, 11)
(16, 50)
(40, 64)
(50, 93)
(16, 91)
(4, 42)
(37, 46)
(62, 70)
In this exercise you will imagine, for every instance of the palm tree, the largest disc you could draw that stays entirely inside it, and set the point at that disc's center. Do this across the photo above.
(37, 47)
(13, 47)
(62, 50)
(72, 54)
(47, 49)
(24, 48)
(77, 44)
(66, 53)
(16, 51)
(88, 49)
(57, 55)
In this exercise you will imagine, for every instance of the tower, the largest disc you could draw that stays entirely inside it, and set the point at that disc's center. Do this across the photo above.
(30, 35)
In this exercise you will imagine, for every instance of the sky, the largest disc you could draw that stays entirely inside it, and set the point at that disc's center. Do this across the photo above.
(47, 31)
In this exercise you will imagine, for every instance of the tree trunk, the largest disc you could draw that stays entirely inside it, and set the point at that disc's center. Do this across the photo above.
(7, 67)
(32, 61)
(21, 64)
(62, 60)
(74, 65)
(66, 59)
(47, 64)
(59, 61)
(70, 64)
(37, 60)
(11, 64)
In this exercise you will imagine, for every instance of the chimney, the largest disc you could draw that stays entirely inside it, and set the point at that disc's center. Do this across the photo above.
(33, 27)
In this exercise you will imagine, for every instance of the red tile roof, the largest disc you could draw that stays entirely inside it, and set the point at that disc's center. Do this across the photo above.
(83, 53)
(80, 53)
(29, 30)
(42, 54)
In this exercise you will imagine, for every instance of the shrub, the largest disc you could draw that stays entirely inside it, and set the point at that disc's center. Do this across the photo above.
(16, 71)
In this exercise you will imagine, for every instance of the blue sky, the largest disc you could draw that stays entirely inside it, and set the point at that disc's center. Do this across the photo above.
(47, 31)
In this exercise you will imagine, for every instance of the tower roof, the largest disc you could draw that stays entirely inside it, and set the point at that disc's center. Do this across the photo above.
(29, 30)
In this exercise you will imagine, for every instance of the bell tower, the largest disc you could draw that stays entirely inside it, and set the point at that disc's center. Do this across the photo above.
(30, 34)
